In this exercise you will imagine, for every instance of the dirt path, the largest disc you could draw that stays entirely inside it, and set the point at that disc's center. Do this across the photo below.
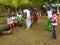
(36, 35)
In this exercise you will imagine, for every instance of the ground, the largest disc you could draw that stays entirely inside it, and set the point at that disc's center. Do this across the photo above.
(36, 35)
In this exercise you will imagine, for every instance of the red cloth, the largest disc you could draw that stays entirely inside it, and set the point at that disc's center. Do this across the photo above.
(11, 26)
(54, 20)
(35, 18)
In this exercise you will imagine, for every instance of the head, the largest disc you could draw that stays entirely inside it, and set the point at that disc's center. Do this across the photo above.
(8, 16)
(54, 12)
(35, 8)
(25, 8)
(48, 9)
(29, 8)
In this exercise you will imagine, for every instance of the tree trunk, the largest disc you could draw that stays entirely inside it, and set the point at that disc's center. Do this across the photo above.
(57, 7)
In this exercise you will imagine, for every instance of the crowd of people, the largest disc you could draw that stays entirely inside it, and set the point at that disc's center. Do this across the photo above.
(26, 15)
(18, 18)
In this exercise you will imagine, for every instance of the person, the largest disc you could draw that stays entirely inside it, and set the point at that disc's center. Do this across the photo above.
(10, 23)
(49, 25)
(14, 18)
(35, 16)
(54, 24)
(20, 18)
(19, 15)
(28, 18)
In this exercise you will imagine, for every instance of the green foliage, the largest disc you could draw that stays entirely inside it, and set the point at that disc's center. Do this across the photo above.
(2, 18)
(23, 6)
(12, 4)
(15, 4)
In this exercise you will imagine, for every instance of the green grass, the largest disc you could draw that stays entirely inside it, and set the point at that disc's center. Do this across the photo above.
(2, 18)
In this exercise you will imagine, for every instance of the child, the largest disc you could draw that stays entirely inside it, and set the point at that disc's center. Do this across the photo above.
(54, 24)
(10, 22)
(19, 15)
(14, 18)
(35, 16)
(20, 18)
(49, 25)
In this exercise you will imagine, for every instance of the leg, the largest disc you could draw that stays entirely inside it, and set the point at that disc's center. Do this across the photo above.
(28, 23)
(13, 26)
(34, 18)
(54, 32)
(10, 26)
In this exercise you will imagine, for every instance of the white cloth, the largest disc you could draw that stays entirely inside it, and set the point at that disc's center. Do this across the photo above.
(19, 15)
(9, 20)
(28, 23)
(28, 18)
(49, 13)
(28, 13)
(13, 18)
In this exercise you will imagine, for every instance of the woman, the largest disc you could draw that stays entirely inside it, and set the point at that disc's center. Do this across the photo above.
(35, 16)
(28, 18)
(49, 25)
(54, 24)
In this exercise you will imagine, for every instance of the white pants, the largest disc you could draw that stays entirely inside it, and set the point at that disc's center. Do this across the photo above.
(28, 22)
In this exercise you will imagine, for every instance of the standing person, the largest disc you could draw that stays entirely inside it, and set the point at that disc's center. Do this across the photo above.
(35, 16)
(54, 24)
(28, 18)
(19, 14)
(49, 25)
(20, 18)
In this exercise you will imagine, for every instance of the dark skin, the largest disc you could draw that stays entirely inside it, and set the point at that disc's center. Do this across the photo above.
(24, 15)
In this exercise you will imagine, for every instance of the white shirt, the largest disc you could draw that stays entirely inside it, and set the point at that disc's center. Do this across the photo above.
(28, 13)
(9, 20)
(49, 13)
(13, 18)
(19, 15)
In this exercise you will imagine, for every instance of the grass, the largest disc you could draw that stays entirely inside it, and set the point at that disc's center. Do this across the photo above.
(2, 18)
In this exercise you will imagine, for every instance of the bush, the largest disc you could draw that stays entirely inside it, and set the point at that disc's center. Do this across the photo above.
(23, 6)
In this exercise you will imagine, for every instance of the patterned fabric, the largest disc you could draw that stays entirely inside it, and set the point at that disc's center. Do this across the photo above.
(54, 20)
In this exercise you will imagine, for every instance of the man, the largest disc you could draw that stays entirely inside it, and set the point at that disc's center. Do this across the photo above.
(28, 18)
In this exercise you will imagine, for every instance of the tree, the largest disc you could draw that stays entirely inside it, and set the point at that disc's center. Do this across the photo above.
(12, 4)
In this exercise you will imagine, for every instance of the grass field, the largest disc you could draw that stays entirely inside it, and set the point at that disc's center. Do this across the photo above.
(2, 19)
(36, 35)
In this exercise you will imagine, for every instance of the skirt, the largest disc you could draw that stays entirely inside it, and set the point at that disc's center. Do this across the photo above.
(35, 18)
(49, 24)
